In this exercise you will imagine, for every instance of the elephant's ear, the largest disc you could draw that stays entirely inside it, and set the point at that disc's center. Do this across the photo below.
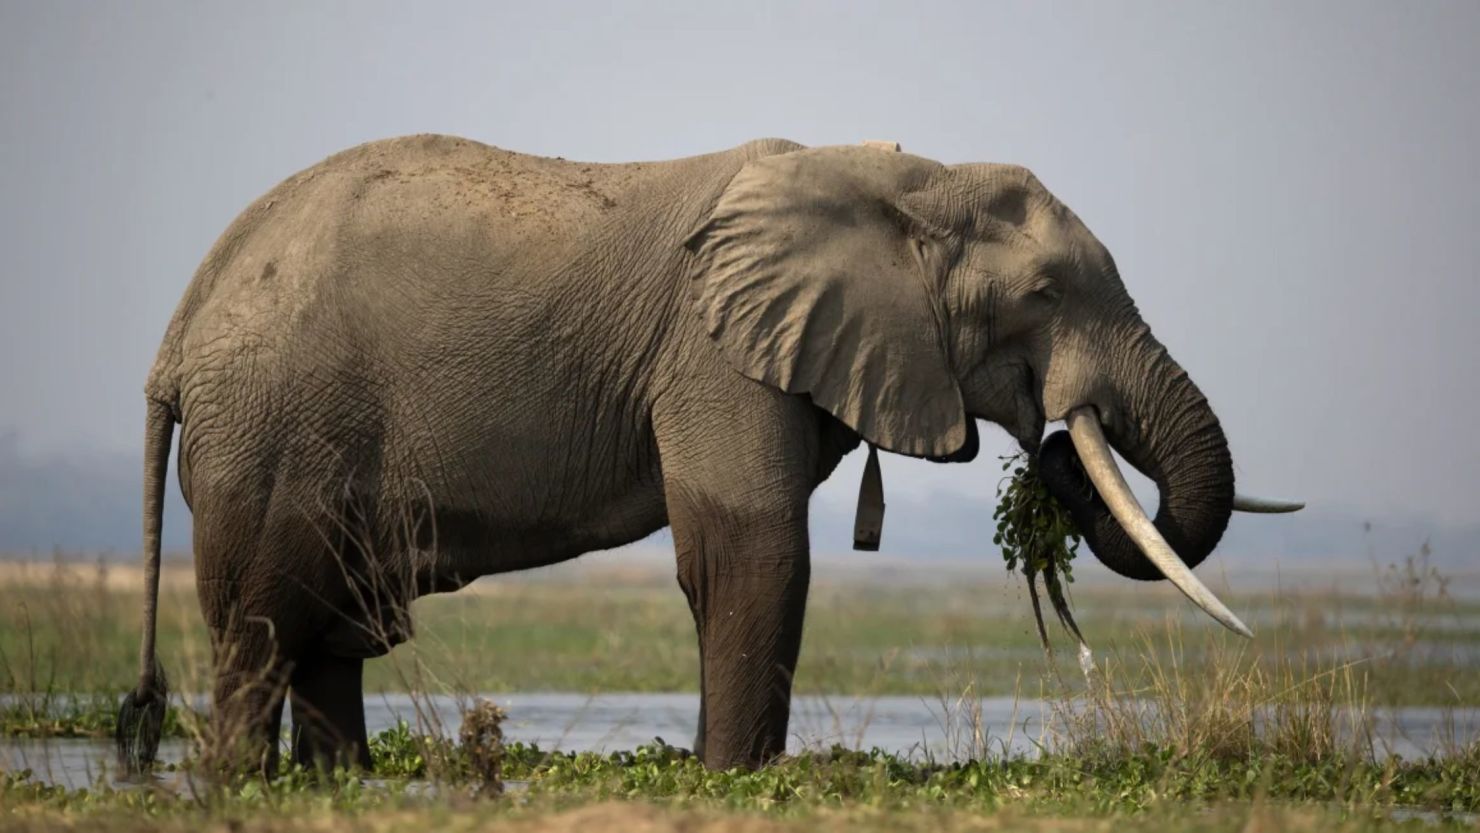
(814, 277)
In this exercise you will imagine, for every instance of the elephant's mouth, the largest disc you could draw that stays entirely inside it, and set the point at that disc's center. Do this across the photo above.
(1020, 412)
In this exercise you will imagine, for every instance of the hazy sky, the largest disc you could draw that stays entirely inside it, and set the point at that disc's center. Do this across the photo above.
(1291, 190)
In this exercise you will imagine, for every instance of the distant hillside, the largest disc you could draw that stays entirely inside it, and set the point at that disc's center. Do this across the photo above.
(59, 501)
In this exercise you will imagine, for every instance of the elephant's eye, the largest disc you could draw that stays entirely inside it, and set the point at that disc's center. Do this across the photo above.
(1045, 292)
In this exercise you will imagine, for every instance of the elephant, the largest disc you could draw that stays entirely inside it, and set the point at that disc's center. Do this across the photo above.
(425, 360)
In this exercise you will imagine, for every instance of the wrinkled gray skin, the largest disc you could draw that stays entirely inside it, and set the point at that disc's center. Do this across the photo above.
(426, 360)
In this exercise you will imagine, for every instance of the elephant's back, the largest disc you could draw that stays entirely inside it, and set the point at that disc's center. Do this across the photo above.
(363, 223)
(401, 198)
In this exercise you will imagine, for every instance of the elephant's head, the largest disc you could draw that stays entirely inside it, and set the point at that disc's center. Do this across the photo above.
(909, 298)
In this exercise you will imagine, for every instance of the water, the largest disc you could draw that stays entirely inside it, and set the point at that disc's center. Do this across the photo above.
(911, 726)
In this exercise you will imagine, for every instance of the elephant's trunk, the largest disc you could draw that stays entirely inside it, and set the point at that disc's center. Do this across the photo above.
(1166, 429)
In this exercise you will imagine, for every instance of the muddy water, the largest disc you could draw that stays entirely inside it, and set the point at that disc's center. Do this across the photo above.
(911, 726)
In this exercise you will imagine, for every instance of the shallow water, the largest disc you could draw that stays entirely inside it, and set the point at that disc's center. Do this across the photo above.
(912, 726)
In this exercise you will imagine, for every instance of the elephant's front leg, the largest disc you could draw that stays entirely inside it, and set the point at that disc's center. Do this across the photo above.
(746, 582)
(737, 503)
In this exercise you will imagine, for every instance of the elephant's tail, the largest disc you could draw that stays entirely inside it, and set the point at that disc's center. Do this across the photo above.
(141, 716)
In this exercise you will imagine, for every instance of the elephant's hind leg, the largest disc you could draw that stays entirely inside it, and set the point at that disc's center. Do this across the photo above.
(252, 641)
(329, 712)
(251, 674)
(270, 588)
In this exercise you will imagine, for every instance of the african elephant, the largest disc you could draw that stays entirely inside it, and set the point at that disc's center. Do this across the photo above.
(425, 360)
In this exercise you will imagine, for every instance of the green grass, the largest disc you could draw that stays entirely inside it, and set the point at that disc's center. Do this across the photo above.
(658, 787)
(1079, 780)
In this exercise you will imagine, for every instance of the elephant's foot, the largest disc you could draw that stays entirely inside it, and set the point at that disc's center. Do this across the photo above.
(329, 713)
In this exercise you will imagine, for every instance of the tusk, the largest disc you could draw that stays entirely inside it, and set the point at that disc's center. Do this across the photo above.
(1094, 451)
(1265, 506)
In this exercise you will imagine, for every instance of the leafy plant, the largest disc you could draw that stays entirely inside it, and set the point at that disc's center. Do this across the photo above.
(1036, 533)
(398, 752)
(1038, 537)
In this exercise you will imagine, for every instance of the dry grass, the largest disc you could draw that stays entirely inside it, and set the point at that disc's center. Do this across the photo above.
(1231, 705)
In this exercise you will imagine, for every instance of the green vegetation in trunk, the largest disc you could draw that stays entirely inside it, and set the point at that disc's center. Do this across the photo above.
(1039, 539)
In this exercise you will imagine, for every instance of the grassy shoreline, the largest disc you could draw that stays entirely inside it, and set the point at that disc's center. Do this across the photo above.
(1162, 788)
